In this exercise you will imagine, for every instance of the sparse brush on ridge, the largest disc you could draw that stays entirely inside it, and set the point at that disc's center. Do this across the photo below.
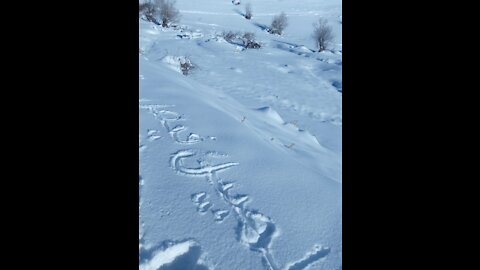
(249, 42)
(160, 12)
(322, 34)
(229, 36)
(279, 23)
(149, 10)
(247, 39)
(248, 11)
(167, 12)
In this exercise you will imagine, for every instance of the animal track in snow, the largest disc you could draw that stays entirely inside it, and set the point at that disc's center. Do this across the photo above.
(199, 199)
(191, 139)
(165, 117)
(176, 161)
(219, 215)
(152, 135)
(239, 199)
(255, 229)
(161, 114)
(223, 187)
(203, 207)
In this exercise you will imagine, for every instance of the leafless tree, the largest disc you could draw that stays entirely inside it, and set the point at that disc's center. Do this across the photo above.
(149, 10)
(322, 34)
(248, 11)
(167, 12)
(279, 23)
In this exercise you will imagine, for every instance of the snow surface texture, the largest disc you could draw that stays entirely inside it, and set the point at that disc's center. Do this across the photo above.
(240, 161)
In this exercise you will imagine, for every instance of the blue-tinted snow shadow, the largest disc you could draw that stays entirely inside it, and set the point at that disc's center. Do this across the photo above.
(239, 12)
(263, 27)
(337, 85)
(288, 43)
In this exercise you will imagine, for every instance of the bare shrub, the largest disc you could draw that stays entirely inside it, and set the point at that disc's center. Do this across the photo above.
(247, 39)
(248, 11)
(167, 12)
(186, 65)
(249, 42)
(149, 10)
(229, 36)
(142, 7)
(322, 34)
(279, 23)
(248, 36)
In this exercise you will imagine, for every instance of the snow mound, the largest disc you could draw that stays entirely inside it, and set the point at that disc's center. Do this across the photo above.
(172, 255)
(271, 114)
(173, 62)
(180, 64)
(289, 134)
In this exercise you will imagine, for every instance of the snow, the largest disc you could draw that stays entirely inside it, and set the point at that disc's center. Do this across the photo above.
(240, 161)
(166, 256)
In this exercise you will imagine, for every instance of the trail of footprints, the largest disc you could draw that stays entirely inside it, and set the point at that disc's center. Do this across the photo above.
(254, 229)
(199, 199)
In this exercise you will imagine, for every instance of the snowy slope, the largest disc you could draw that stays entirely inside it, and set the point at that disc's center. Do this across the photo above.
(240, 162)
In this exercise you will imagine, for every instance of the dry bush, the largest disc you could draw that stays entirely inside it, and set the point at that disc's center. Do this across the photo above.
(148, 9)
(229, 36)
(248, 11)
(279, 23)
(322, 34)
(247, 39)
(186, 65)
(167, 12)
(249, 42)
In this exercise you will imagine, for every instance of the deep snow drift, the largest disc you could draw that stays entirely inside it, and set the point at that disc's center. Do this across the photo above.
(240, 161)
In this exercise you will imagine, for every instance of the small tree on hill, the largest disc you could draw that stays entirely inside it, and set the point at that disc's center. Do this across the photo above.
(279, 23)
(322, 34)
(248, 11)
(167, 12)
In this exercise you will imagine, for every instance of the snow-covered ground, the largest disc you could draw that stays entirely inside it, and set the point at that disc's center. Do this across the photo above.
(240, 161)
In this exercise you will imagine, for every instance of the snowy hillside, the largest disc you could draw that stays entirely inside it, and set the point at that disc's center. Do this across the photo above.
(240, 160)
